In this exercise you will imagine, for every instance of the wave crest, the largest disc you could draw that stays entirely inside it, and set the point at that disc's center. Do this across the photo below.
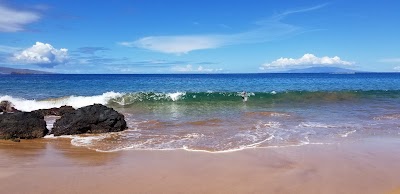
(74, 101)
(125, 99)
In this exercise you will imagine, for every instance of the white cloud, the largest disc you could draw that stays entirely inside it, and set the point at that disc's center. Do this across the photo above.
(175, 44)
(266, 30)
(397, 68)
(284, 14)
(12, 20)
(8, 49)
(191, 69)
(125, 70)
(306, 60)
(42, 54)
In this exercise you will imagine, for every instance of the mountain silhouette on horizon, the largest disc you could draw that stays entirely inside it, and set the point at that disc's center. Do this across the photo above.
(322, 70)
(7, 70)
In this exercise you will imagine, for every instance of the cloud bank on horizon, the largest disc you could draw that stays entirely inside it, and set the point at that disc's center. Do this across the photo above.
(307, 60)
(191, 69)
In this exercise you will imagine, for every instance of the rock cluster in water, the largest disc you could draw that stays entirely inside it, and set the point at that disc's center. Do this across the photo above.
(24, 125)
(90, 119)
(95, 118)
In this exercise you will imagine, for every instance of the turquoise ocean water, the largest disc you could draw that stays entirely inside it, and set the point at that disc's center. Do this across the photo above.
(208, 113)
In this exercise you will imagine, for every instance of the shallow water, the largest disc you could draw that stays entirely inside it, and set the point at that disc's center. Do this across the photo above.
(207, 113)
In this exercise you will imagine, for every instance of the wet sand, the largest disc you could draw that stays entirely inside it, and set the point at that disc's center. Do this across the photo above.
(55, 166)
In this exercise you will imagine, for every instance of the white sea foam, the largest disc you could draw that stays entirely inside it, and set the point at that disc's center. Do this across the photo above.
(261, 135)
(347, 133)
(216, 152)
(51, 136)
(277, 114)
(315, 125)
(145, 146)
(133, 147)
(193, 135)
(50, 120)
(253, 147)
(85, 141)
(74, 101)
(260, 142)
(79, 141)
(388, 117)
(296, 145)
(176, 96)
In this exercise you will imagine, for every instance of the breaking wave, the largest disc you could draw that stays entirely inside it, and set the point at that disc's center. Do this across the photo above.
(265, 97)
(125, 99)
(74, 101)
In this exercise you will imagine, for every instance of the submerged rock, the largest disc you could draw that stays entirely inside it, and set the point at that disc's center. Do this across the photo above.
(7, 107)
(90, 119)
(24, 125)
(55, 111)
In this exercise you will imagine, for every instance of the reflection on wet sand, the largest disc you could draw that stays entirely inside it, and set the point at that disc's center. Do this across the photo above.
(51, 152)
(17, 152)
(81, 155)
(369, 166)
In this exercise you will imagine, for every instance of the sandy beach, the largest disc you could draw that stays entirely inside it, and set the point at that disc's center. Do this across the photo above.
(224, 97)
(55, 166)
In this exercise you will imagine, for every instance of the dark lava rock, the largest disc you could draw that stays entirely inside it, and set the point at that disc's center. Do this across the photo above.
(24, 125)
(55, 111)
(7, 106)
(90, 119)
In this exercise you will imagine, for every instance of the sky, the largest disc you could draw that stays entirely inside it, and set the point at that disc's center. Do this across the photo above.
(202, 36)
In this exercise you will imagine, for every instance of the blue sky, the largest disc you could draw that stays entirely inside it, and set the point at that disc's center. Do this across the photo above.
(207, 36)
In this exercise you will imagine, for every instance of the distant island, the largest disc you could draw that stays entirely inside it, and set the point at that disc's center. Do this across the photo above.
(334, 70)
(7, 70)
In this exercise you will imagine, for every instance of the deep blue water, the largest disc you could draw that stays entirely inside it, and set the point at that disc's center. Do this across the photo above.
(58, 85)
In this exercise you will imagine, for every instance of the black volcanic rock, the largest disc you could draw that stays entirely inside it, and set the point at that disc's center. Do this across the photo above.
(90, 119)
(24, 125)
(55, 111)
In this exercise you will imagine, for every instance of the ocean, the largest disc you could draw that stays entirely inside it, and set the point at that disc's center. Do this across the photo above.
(208, 113)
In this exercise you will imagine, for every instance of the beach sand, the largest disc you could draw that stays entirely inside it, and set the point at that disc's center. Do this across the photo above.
(55, 166)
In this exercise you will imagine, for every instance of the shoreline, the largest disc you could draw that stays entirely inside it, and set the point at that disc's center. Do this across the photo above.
(370, 165)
